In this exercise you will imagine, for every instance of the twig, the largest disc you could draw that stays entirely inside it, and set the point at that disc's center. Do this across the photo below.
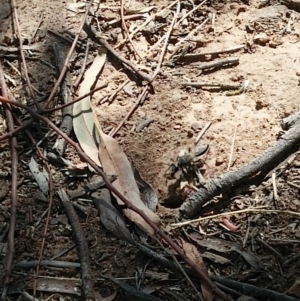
(166, 41)
(65, 95)
(196, 56)
(222, 87)
(187, 278)
(74, 101)
(87, 283)
(14, 176)
(51, 263)
(132, 110)
(126, 29)
(232, 148)
(248, 210)
(64, 69)
(79, 77)
(16, 131)
(129, 205)
(293, 184)
(275, 194)
(50, 203)
(112, 96)
(277, 254)
(143, 25)
(177, 23)
(178, 45)
(253, 290)
(190, 12)
(37, 28)
(206, 127)
(93, 33)
(130, 17)
(32, 95)
(28, 123)
(230, 61)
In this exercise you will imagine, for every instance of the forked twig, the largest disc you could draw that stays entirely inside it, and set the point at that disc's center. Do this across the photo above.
(14, 177)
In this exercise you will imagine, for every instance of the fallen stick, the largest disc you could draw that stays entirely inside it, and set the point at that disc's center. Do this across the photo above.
(265, 162)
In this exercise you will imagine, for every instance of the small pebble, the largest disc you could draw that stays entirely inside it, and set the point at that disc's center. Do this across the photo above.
(143, 124)
(261, 39)
(219, 161)
(198, 125)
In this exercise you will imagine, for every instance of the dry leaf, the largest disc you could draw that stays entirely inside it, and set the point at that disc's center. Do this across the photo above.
(294, 289)
(224, 246)
(192, 253)
(114, 161)
(41, 177)
(149, 196)
(110, 216)
(83, 115)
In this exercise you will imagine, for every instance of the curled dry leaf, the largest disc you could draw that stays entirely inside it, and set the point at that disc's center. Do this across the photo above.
(83, 115)
(192, 253)
(41, 177)
(149, 195)
(109, 215)
(224, 246)
(114, 161)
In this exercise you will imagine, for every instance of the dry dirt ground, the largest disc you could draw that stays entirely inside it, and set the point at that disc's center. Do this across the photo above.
(269, 62)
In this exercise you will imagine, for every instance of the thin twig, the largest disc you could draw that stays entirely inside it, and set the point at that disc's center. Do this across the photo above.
(275, 194)
(248, 210)
(277, 254)
(232, 149)
(177, 23)
(143, 25)
(79, 77)
(32, 95)
(113, 96)
(132, 110)
(74, 101)
(213, 53)
(87, 283)
(206, 127)
(187, 277)
(126, 29)
(14, 176)
(65, 96)
(28, 123)
(163, 51)
(65, 67)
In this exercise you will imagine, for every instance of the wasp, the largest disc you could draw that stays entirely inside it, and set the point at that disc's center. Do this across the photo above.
(187, 164)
